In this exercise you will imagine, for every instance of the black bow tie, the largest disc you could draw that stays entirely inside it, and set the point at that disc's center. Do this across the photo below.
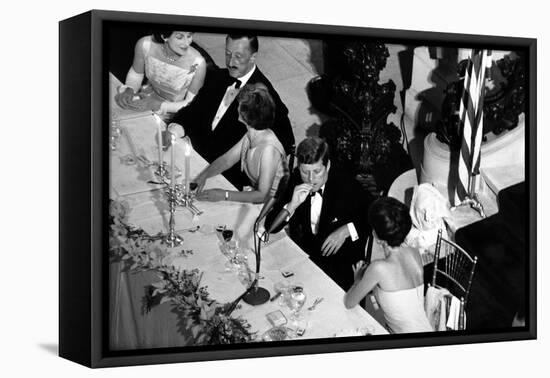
(320, 191)
(237, 83)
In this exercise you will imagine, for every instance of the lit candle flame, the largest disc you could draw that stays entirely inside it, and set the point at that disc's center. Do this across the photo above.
(187, 147)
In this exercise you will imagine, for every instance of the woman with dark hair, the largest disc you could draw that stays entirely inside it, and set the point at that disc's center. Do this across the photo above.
(174, 69)
(261, 154)
(398, 279)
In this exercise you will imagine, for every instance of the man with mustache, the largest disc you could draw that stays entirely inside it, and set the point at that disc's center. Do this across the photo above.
(212, 119)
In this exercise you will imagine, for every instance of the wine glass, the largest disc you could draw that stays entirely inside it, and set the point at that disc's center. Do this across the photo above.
(296, 300)
(282, 289)
(115, 133)
(227, 235)
(244, 274)
(235, 256)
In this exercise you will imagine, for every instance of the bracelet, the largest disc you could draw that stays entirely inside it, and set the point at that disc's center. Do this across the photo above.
(226, 195)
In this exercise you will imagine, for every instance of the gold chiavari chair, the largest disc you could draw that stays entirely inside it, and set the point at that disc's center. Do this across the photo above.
(454, 270)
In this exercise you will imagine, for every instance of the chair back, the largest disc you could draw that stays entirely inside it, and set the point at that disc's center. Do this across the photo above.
(453, 269)
(291, 157)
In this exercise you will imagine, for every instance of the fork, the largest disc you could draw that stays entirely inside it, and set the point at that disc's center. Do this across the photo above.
(315, 303)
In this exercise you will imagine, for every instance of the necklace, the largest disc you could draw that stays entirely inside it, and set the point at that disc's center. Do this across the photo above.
(168, 55)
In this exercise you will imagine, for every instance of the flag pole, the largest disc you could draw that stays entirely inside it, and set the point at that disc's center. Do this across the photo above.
(471, 109)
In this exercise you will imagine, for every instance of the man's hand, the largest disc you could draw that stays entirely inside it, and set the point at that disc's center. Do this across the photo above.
(173, 129)
(124, 99)
(176, 129)
(299, 196)
(359, 270)
(211, 195)
(334, 241)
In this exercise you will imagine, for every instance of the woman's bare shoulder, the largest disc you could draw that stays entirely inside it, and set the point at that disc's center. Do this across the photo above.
(196, 56)
(144, 41)
(380, 266)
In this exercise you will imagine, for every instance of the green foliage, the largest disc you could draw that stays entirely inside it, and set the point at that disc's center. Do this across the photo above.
(204, 318)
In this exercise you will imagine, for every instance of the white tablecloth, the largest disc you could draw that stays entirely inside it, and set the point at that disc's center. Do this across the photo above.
(149, 210)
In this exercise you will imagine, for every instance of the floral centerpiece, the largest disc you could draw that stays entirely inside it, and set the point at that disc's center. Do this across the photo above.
(208, 321)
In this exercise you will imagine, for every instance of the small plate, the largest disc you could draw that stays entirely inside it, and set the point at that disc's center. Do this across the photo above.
(277, 334)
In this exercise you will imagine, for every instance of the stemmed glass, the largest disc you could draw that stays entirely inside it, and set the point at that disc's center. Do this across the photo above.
(115, 132)
(282, 290)
(296, 300)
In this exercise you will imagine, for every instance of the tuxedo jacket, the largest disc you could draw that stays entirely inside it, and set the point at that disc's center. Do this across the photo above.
(197, 117)
(344, 201)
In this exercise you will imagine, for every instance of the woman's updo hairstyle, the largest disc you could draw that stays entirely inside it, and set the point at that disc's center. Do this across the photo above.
(256, 106)
(390, 220)
(160, 35)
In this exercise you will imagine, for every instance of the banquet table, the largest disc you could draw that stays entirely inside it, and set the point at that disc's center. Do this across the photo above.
(130, 326)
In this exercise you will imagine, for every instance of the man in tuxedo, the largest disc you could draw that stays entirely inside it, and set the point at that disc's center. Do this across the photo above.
(212, 119)
(326, 210)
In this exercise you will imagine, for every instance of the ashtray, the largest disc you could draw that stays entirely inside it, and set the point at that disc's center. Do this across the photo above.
(277, 334)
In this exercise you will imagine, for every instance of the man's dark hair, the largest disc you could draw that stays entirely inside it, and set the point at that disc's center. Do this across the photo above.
(390, 220)
(252, 40)
(256, 106)
(311, 150)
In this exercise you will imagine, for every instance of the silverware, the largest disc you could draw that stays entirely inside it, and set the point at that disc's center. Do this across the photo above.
(315, 303)
(275, 296)
(143, 159)
(190, 229)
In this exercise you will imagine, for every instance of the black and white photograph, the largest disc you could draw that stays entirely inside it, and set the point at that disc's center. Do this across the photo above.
(274, 189)
(282, 189)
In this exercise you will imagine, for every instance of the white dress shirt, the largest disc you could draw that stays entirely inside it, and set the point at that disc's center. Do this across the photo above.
(315, 214)
(316, 205)
(230, 94)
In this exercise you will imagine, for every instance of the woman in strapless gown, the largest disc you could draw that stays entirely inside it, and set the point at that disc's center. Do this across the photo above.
(260, 153)
(398, 279)
(174, 69)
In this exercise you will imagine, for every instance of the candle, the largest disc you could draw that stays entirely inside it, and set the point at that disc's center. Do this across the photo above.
(159, 138)
(187, 153)
(173, 162)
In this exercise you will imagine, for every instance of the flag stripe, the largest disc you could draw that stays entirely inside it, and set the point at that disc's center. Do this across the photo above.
(471, 120)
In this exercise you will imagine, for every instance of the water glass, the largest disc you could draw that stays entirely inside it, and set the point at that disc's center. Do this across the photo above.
(115, 133)
(282, 289)
(296, 300)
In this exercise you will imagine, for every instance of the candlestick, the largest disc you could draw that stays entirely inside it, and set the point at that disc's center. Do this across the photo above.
(187, 153)
(159, 137)
(173, 161)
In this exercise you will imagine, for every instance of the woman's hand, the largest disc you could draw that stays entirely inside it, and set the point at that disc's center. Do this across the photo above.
(146, 102)
(211, 195)
(200, 180)
(125, 98)
(359, 270)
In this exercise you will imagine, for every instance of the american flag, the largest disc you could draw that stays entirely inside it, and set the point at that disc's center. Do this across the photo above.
(471, 122)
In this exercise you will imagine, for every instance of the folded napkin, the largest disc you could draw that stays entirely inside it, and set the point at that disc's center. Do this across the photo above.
(436, 308)
(428, 211)
(454, 313)
(442, 309)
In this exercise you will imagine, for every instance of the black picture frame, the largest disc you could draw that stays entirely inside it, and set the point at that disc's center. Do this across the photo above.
(84, 192)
